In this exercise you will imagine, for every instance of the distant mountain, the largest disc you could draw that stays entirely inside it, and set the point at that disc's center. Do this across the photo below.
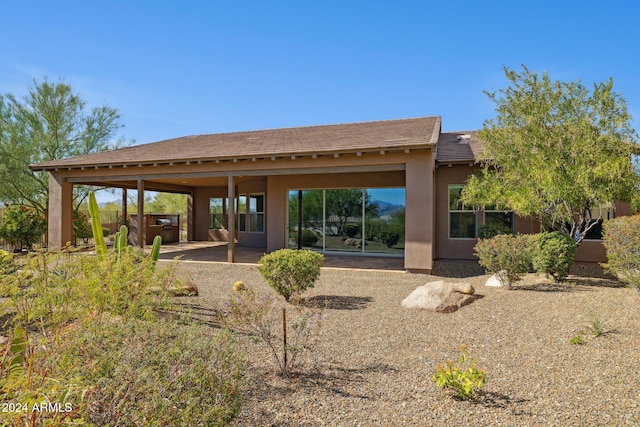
(386, 208)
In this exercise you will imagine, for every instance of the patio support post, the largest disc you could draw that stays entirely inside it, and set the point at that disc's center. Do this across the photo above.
(231, 220)
(60, 212)
(190, 216)
(142, 238)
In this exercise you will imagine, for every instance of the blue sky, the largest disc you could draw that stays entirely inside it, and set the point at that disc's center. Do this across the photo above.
(180, 68)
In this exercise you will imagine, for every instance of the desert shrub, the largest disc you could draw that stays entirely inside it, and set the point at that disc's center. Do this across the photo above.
(463, 377)
(92, 343)
(255, 316)
(22, 226)
(289, 272)
(81, 225)
(373, 227)
(390, 237)
(52, 289)
(506, 256)
(6, 262)
(488, 231)
(621, 239)
(350, 230)
(157, 373)
(553, 254)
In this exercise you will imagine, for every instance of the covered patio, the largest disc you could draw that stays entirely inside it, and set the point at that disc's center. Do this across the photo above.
(218, 251)
(239, 185)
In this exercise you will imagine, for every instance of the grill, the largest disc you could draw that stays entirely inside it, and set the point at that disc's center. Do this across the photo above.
(165, 223)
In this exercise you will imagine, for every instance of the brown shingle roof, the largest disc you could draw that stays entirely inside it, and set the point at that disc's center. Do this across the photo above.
(458, 147)
(367, 136)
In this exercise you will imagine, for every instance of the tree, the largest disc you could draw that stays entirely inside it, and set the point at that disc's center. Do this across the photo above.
(173, 203)
(555, 151)
(51, 122)
(22, 226)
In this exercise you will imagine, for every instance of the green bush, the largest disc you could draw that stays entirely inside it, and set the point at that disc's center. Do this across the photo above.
(390, 237)
(621, 239)
(81, 225)
(488, 231)
(350, 230)
(22, 226)
(289, 272)
(506, 256)
(553, 254)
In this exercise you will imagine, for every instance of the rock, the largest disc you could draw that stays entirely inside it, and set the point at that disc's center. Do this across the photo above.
(497, 281)
(188, 290)
(493, 281)
(440, 297)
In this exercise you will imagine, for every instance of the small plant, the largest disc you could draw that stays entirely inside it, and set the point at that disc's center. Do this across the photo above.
(553, 254)
(239, 286)
(577, 340)
(596, 326)
(254, 315)
(463, 377)
(290, 272)
(506, 256)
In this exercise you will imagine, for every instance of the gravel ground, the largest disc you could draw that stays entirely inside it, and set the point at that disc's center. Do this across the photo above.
(375, 359)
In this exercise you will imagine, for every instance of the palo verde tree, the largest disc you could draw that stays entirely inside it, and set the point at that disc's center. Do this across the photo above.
(555, 151)
(51, 122)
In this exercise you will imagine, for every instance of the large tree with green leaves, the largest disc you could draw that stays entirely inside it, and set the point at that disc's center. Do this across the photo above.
(556, 151)
(51, 122)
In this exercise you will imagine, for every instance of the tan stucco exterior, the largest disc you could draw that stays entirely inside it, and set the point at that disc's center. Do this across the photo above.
(423, 161)
(412, 169)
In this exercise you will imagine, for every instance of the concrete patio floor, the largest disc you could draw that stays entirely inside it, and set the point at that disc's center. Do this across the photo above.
(217, 252)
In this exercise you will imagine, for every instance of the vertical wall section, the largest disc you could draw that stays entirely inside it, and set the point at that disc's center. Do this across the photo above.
(419, 220)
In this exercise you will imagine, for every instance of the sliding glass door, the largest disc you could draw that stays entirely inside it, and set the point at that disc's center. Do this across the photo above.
(363, 220)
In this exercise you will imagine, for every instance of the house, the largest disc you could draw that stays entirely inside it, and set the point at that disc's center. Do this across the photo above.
(384, 188)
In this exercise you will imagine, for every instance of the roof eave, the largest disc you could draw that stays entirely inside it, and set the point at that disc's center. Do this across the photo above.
(252, 157)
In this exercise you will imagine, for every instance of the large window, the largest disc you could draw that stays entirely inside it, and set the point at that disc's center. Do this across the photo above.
(256, 213)
(498, 217)
(462, 219)
(369, 220)
(217, 213)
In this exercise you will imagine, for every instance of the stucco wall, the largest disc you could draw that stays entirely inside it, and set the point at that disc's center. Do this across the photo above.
(201, 210)
(446, 248)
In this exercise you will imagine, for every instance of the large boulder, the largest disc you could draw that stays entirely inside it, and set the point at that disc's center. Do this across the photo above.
(440, 297)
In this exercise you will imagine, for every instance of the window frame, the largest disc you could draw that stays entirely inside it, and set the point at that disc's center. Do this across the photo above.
(460, 211)
(258, 213)
(492, 210)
